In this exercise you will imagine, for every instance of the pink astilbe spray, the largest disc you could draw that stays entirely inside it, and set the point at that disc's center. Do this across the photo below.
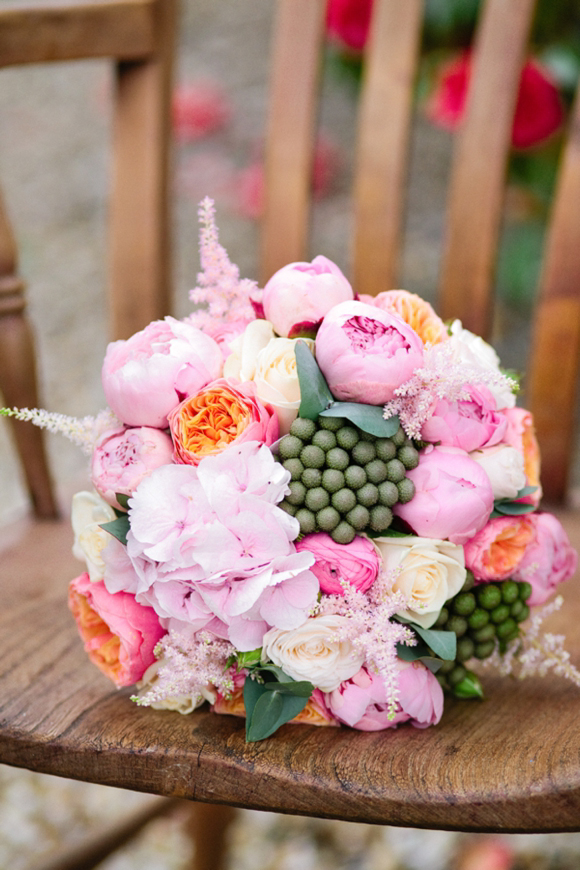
(84, 432)
(219, 284)
(187, 665)
(371, 630)
(442, 376)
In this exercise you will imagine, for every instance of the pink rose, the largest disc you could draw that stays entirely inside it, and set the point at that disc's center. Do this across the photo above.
(361, 702)
(357, 562)
(366, 353)
(119, 634)
(469, 424)
(453, 496)
(497, 550)
(521, 434)
(348, 22)
(147, 375)
(549, 560)
(297, 297)
(123, 457)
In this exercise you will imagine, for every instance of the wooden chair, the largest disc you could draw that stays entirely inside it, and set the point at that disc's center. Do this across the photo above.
(508, 764)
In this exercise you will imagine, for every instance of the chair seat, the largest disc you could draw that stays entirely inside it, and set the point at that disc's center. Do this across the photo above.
(509, 763)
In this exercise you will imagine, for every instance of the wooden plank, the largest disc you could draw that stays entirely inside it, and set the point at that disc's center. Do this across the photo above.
(140, 285)
(486, 766)
(382, 148)
(555, 349)
(480, 159)
(35, 31)
(290, 135)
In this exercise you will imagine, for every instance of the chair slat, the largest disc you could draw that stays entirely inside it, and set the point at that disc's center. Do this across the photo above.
(35, 31)
(382, 147)
(555, 350)
(478, 173)
(290, 136)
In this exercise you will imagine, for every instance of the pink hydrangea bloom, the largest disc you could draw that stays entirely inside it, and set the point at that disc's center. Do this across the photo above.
(298, 295)
(366, 353)
(467, 423)
(147, 375)
(119, 634)
(357, 563)
(123, 457)
(453, 496)
(549, 560)
(361, 702)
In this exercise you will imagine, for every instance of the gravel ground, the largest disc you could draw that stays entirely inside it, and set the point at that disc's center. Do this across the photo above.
(53, 166)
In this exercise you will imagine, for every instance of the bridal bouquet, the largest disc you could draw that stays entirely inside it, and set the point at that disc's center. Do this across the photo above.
(310, 506)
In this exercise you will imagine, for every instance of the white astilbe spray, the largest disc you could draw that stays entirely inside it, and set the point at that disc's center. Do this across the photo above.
(370, 627)
(442, 376)
(219, 284)
(536, 653)
(84, 432)
(187, 666)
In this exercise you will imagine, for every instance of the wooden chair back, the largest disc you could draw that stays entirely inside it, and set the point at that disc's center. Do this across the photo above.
(476, 188)
(138, 36)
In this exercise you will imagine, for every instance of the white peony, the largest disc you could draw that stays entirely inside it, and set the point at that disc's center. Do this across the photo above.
(313, 652)
(89, 510)
(430, 571)
(504, 466)
(473, 350)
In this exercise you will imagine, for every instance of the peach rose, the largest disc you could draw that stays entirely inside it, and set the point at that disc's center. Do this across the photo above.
(415, 311)
(218, 415)
(521, 434)
(496, 551)
(314, 713)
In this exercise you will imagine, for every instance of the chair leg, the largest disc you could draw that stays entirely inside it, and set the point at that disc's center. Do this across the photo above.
(208, 826)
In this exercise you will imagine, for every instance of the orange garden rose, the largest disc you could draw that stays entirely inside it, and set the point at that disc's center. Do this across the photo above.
(314, 713)
(217, 416)
(521, 434)
(496, 552)
(413, 310)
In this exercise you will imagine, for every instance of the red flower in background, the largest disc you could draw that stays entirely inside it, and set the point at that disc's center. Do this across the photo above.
(539, 109)
(348, 21)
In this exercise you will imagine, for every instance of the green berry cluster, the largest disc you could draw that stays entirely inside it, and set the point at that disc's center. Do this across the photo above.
(343, 480)
(479, 615)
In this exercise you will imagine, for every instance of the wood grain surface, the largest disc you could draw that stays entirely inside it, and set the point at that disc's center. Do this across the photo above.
(508, 763)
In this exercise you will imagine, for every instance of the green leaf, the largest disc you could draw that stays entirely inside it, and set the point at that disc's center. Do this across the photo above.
(253, 690)
(418, 653)
(252, 657)
(469, 687)
(118, 528)
(123, 500)
(315, 394)
(443, 643)
(369, 418)
(513, 508)
(299, 688)
(527, 490)
(271, 710)
(276, 671)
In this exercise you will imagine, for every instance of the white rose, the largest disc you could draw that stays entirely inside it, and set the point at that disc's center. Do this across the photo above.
(181, 703)
(504, 466)
(89, 510)
(312, 652)
(473, 350)
(276, 379)
(241, 363)
(430, 571)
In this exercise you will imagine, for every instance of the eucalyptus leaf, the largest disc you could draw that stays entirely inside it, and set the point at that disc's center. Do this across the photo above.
(118, 528)
(443, 643)
(513, 508)
(123, 500)
(253, 691)
(301, 688)
(419, 653)
(276, 671)
(315, 394)
(272, 710)
(369, 418)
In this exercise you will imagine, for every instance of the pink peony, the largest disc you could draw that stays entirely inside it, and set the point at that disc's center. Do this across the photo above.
(119, 634)
(453, 496)
(123, 457)
(549, 560)
(468, 424)
(357, 562)
(361, 702)
(348, 22)
(539, 111)
(147, 375)
(366, 353)
(497, 550)
(298, 295)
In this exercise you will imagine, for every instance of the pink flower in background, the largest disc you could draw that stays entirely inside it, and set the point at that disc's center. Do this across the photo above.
(348, 22)
(298, 295)
(198, 109)
(549, 560)
(357, 563)
(122, 459)
(497, 550)
(539, 110)
(366, 353)
(468, 423)
(147, 375)
(119, 634)
(453, 496)
(361, 702)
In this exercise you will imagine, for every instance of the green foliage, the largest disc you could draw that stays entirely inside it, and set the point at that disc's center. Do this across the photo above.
(271, 699)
